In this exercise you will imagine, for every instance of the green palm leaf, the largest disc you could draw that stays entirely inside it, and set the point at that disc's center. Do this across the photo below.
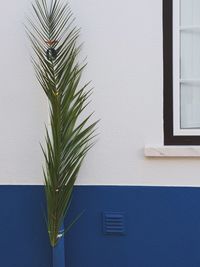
(54, 42)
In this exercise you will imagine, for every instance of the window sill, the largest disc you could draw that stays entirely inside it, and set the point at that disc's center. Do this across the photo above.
(172, 151)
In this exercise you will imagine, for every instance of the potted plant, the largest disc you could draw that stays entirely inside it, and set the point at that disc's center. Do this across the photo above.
(54, 41)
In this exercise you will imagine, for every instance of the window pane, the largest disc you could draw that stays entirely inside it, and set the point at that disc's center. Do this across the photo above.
(190, 10)
(190, 54)
(190, 106)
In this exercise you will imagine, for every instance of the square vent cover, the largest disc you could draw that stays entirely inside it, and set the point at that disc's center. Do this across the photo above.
(114, 223)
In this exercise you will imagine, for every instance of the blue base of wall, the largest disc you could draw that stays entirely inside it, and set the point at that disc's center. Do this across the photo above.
(162, 227)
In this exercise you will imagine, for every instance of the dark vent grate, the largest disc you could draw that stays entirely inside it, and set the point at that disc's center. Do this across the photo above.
(113, 223)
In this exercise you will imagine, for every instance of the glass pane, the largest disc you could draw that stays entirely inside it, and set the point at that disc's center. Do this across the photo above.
(190, 106)
(190, 54)
(190, 10)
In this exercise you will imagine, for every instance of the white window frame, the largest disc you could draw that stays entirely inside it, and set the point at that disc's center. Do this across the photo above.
(177, 131)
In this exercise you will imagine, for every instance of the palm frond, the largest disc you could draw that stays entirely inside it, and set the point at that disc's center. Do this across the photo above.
(54, 41)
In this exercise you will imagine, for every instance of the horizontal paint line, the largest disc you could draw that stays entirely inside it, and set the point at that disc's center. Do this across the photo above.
(110, 185)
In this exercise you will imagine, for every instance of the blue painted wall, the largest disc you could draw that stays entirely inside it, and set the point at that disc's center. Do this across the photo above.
(162, 227)
(23, 238)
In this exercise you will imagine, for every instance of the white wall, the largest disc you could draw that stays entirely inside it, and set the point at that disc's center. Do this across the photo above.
(123, 42)
(22, 104)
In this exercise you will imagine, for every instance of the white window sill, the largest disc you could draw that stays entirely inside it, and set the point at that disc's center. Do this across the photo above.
(172, 151)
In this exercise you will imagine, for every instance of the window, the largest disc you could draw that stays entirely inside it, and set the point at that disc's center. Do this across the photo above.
(181, 44)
